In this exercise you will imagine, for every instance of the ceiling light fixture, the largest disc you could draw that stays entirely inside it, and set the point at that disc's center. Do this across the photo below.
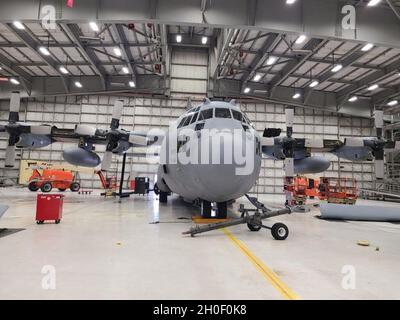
(314, 83)
(373, 3)
(94, 26)
(44, 51)
(301, 39)
(78, 84)
(367, 47)
(125, 70)
(19, 25)
(290, 1)
(337, 68)
(392, 103)
(204, 40)
(132, 84)
(353, 99)
(257, 77)
(117, 52)
(373, 87)
(271, 60)
(296, 95)
(178, 38)
(246, 90)
(63, 70)
(14, 81)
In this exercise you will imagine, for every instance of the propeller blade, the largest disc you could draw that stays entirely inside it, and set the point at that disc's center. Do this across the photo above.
(289, 122)
(107, 159)
(378, 116)
(289, 167)
(14, 107)
(379, 169)
(117, 113)
(10, 156)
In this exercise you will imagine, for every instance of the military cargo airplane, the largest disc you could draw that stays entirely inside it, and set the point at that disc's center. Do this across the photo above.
(211, 128)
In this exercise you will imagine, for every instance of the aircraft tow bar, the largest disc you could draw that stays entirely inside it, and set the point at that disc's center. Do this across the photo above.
(254, 222)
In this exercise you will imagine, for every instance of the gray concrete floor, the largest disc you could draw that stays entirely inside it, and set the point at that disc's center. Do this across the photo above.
(104, 249)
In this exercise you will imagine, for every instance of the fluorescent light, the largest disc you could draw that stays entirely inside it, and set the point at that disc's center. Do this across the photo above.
(296, 95)
(94, 26)
(373, 87)
(19, 25)
(14, 81)
(178, 38)
(367, 47)
(44, 51)
(117, 51)
(372, 3)
(246, 90)
(314, 83)
(1, 68)
(132, 84)
(63, 70)
(204, 40)
(353, 99)
(337, 68)
(271, 60)
(290, 1)
(125, 70)
(301, 39)
(257, 77)
(393, 103)
(78, 84)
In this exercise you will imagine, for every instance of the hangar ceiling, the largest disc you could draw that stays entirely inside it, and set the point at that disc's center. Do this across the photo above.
(134, 56)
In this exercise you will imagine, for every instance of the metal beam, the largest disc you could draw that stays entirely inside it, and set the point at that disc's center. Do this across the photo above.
(52, 86)
(395, 9)
(24, 78)
(313, 46)
(121, 39)
(73, 31)
(268, 46)
(319, 19)
(369, 80)
(34, 45)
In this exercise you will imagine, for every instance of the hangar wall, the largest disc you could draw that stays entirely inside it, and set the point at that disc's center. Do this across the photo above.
(189, 75)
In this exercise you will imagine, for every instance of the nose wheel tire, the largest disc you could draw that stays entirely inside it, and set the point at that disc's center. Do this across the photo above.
(75, 187)
(279, 231)
(253, 227)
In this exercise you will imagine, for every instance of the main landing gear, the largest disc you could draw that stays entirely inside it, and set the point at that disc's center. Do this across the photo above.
(254, 222)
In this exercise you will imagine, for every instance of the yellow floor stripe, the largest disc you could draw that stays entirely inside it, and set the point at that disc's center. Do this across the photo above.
(283, 289)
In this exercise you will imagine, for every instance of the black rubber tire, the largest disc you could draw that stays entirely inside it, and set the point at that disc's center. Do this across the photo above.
(32, 186)
(40, 222)
(58, 221)
(222, 210)
(279, 231)
(75, 187)
(253, 227)
(206, 209)
(163, 196)
(61, 190)
(156, 190)
(46, 187)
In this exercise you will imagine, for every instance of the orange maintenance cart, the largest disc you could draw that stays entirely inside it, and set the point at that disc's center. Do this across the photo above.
(338, 190)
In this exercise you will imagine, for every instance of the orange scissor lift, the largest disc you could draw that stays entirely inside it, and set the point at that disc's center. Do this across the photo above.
(338, 190)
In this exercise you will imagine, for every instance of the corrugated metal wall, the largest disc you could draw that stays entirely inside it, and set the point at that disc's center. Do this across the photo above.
(189, 74)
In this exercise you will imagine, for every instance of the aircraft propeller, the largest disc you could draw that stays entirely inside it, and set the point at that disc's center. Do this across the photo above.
(289, 143)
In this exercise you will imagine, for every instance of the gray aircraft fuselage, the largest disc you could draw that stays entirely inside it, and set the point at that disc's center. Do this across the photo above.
(210, 181)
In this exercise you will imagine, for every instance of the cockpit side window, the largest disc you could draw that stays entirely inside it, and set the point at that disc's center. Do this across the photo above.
(182, 122)
(237, 115)
(194, 118)
(187, 121)
(206, 114)
(222, 113)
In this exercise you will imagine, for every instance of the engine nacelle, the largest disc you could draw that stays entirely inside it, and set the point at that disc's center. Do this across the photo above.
(121, 147)
(81, 157)
(311, 165)
(32, 141)
(354, 153)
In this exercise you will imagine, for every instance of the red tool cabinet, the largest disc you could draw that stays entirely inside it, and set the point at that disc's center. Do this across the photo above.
(49, 207)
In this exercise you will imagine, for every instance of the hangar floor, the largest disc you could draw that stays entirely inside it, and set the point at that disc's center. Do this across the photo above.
(104, 249)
